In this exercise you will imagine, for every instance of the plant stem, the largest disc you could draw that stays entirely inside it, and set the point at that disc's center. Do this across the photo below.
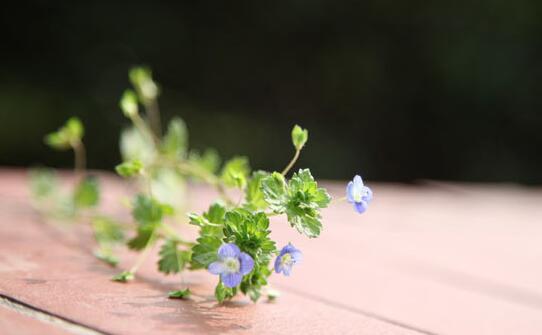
(144, 254)
(80, 157)
(153, 112)
(208, 178)
(292, 162)
(140, 124)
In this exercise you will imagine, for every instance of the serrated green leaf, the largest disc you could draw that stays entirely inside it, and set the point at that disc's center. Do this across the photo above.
(130, 168)
(235, 172)
(107, 230)
(204, 251)
(143, 238)
(274, 189)
(172, 260)
(254, 196)
(305, 199)
(223, 293)
(299, 137)
(208, 161)
(147, 210)
(175, 142)
(210, 239)
(180, 294)
(87, 193)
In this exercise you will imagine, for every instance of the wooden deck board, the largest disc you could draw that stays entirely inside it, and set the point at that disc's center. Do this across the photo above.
(442, 258)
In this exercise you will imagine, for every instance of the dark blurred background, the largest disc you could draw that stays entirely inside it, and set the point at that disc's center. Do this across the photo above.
(394, 90)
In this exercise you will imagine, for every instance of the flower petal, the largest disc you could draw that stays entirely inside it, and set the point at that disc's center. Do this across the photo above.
(216, 268)
(247, 263)
(368, 194)
(228, 250)
(287, 249)
(287, 270)
(297, 256)
(278, 265)
(358, 182)
(360, 206)
(231, 279)
(349, 192)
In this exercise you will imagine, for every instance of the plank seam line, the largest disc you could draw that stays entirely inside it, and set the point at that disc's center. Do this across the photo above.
(356, 310)
(48, 317)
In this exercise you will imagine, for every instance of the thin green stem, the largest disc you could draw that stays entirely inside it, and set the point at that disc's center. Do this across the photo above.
(187, 168)
(144, 254)
(292, 162)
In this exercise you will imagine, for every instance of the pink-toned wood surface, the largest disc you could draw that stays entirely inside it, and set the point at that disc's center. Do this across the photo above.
(12, 322)
(433, 258)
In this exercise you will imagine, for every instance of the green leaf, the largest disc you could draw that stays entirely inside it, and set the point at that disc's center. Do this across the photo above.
(274, 189)
(143, 238)
(141, 78)
(136, 146)
(235, 172)
(67, 136)
(107, 230)
(169, 186)
(128, 104)
(299, 137)
(87, 193)
(210, 239)
(180, 294)
(254, 195)
(215, 213)
(130, 168)
(301, 199)
(123, 277)
(147, 210)
(175, 142)
(172, 260)
(272, 294)
(106, 255)
(204, 251)
(208, 161)
(304, 202)
(223, 293)
(43, 183)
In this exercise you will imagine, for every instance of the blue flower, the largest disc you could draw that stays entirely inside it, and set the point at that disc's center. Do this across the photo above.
(288, 256)
(358, 194)
(232, 265)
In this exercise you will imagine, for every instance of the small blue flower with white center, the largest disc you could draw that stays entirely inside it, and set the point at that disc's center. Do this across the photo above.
(287, 258)
(232, 265)
(358, 194)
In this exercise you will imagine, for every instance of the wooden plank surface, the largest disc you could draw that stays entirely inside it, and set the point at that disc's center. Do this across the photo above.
(13, 322)
(436, 258)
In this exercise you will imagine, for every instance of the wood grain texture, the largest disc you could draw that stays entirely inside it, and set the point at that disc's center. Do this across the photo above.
(434, 258)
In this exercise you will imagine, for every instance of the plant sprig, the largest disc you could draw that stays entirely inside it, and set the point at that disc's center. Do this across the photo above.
(234, 239)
